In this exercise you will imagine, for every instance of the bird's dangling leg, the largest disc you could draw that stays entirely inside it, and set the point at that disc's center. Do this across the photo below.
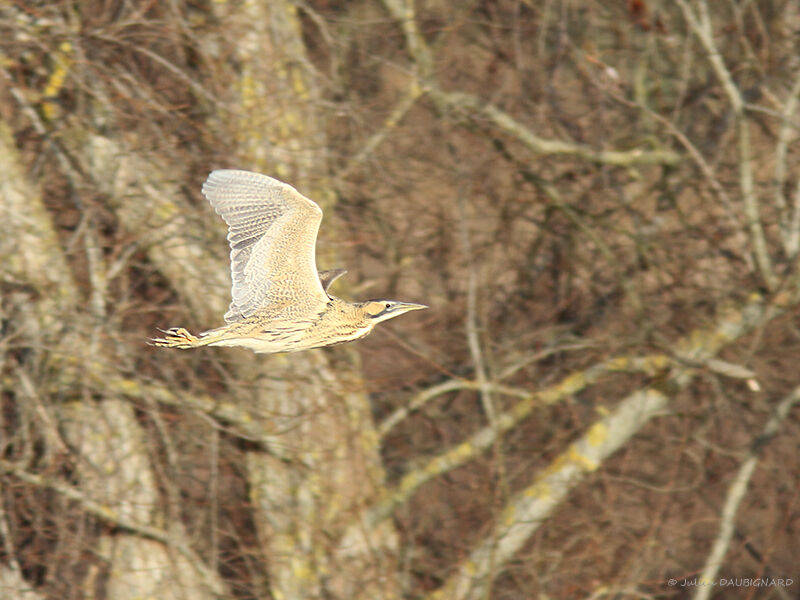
(177, 337)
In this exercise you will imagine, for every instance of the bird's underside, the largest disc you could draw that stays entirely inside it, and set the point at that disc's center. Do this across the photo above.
(269, 339)
(338, 322)
(280, 303)
(275, 331)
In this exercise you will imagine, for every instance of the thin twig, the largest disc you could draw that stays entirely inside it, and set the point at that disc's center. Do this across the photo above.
(706, 169)
(406, 102)
(471, 317)
(474, 107)
(701, 26)
(789, 221)
(476, 352)
(736, 492)
(452, 385)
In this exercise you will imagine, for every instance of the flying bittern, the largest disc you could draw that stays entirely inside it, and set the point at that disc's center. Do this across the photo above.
(280, 303)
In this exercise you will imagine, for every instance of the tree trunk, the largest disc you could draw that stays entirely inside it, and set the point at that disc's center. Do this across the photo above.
(329, 466)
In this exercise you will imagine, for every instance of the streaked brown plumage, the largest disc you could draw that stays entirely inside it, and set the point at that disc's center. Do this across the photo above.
(280, 303)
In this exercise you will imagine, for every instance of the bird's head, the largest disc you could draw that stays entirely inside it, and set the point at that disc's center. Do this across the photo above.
(382, 310)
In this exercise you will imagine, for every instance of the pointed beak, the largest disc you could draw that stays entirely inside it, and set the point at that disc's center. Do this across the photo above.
(407, 306)
(395, 309)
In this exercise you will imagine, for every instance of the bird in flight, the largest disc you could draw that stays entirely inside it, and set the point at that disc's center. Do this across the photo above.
(280, 302)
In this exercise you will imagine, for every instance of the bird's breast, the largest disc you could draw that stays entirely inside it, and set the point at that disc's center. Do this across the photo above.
(361, 331)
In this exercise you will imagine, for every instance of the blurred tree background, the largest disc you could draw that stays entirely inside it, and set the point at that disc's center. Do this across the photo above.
(600, 201)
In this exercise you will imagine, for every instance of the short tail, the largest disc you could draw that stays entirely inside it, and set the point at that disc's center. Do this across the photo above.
(177, 337)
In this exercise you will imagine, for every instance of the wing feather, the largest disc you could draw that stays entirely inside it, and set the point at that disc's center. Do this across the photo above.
(272, 233)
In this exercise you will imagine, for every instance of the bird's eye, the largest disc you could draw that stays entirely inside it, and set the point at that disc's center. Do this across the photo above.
(388, 305)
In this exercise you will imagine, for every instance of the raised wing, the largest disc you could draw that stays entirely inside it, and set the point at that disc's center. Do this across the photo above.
(272, 232)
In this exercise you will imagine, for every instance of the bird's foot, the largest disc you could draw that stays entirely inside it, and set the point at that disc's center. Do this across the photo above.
(175, 337)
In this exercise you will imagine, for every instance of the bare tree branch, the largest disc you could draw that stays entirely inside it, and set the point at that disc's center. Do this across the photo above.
(110, 516)
(736, 493)
(522, 516)
(790, 215)
(470, 105)
(702, 28)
